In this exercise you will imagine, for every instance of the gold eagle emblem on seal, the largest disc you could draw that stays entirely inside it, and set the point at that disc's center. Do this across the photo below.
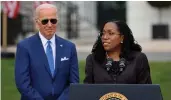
(113, 96)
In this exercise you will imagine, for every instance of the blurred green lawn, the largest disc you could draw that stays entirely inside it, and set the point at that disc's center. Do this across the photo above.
(160, 71)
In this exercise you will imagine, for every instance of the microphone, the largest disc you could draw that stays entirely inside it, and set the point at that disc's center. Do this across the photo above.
(109, 64)
(122, 64)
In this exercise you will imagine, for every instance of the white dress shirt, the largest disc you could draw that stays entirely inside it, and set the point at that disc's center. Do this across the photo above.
(53, 45)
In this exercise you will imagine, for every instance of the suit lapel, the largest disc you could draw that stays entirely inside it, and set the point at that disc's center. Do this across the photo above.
(58, 54)
(41, 54)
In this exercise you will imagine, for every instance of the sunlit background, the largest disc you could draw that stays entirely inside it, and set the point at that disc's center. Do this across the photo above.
(81, 22)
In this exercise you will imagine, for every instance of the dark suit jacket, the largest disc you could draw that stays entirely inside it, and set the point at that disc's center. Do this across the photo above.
(32, 73)
(137, 71)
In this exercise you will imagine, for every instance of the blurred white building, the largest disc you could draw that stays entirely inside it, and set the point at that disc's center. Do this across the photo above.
(141, 16)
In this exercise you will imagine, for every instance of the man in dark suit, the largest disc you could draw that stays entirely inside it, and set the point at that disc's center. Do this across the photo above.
(45, 63)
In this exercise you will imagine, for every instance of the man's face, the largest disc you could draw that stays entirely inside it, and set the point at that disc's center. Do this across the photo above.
(47, 22)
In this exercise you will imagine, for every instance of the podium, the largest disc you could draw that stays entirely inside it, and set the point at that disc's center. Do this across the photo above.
(115, 92)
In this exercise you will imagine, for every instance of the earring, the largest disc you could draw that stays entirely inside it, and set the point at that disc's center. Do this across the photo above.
(121, 41)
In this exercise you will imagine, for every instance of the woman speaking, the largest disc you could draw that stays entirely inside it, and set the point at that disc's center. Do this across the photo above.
(116, 58)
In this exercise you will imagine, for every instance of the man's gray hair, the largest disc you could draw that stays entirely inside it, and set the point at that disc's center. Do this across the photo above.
(42, 6)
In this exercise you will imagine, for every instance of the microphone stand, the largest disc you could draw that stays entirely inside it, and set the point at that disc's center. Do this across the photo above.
(114, 76)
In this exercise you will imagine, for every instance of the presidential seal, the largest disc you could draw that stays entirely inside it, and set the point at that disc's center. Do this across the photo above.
(113, 96)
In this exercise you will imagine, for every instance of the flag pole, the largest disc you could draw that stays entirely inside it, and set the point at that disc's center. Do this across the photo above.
(4, 34)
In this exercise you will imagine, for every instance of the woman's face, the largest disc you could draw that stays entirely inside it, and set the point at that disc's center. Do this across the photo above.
(111, 37)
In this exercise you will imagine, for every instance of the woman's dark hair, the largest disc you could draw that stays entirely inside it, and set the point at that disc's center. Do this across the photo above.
(129, 44)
